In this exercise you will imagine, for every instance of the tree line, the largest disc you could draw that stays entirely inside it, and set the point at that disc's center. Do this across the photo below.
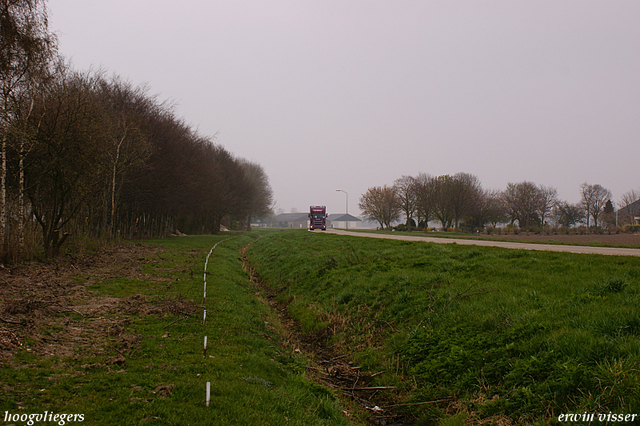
(84, 154)
(459, 201)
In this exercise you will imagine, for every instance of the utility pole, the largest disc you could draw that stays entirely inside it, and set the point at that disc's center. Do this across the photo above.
(346, 205)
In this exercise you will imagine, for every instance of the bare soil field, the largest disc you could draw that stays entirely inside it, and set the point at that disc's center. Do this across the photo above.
(47, 309)
(613, 239)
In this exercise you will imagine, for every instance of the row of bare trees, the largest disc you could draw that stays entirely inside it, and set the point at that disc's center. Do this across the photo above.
(453, 200)
(86, 154)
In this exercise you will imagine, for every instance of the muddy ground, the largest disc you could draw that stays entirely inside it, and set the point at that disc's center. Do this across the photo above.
(47, 309)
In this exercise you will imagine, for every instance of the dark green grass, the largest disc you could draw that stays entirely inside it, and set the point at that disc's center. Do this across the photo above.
(255, 380)
(521, 334)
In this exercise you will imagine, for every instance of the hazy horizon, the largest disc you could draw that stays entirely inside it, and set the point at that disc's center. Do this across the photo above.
(349, 95)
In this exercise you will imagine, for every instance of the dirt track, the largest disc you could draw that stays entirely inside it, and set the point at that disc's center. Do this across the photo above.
(611, 251)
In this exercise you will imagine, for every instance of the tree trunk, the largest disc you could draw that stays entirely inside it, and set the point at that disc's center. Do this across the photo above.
(113, 183)
(3, 192)
(21, 200)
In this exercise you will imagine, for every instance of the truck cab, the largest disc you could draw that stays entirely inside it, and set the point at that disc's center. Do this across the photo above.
(318, 218)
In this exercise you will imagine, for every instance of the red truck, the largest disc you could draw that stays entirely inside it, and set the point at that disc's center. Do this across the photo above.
(318, 218)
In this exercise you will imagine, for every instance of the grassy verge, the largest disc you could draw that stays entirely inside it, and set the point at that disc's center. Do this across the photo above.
(150, 368)
(548, 239)
(501, 335)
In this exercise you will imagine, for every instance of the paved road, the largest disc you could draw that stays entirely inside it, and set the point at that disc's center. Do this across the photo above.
(526, 246)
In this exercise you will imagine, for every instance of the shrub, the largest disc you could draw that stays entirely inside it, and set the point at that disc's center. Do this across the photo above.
(634, 229)
(613, 229)
(401, 227)
(595, 230)
(535, 229)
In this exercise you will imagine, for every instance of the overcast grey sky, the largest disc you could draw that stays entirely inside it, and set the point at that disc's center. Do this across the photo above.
(350, 94)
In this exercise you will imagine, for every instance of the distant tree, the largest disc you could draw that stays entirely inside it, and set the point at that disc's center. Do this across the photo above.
(260, 195)
(594, 197)
(464, 190)
(609, 214)
(441, 202)
(380, 204)
(523, 201)
(567, 214)
(548, 199)
(423, 186)
(226, 187)
(627, 207)
(487, 208)
(405, 189)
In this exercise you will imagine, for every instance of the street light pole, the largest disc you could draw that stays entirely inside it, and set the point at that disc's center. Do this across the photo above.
(346, 205)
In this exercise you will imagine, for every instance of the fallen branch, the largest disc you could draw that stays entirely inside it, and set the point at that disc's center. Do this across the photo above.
(173, 322)
(374, 388)
(466, 293)
(418, 403)
(11, 322)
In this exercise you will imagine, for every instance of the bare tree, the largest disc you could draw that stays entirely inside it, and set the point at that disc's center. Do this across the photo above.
(126, 146)
(522, 201)
(463, 192)
(548, 200)
(441, 201)
(567, 214)
(424, 185)
(487, 208)
(602, 195)
(26, 47)
(594, 198)
(64, 169)
(628, 204)
(260, 195)
(405, 188)
(380, 204)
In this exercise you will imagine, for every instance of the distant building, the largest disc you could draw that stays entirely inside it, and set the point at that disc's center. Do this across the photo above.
(289, 220)
(259, 223)
(630, 213)
(344, 221)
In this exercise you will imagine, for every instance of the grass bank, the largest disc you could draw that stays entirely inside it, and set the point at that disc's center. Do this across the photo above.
(121, 342)
(500, 335)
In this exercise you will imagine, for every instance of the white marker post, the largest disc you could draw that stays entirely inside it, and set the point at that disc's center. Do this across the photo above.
(208, 398)
(205, 346)
(204, 318)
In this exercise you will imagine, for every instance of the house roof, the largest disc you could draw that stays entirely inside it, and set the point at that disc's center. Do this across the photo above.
(341, 217)
(292, 217)
(633, 208)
